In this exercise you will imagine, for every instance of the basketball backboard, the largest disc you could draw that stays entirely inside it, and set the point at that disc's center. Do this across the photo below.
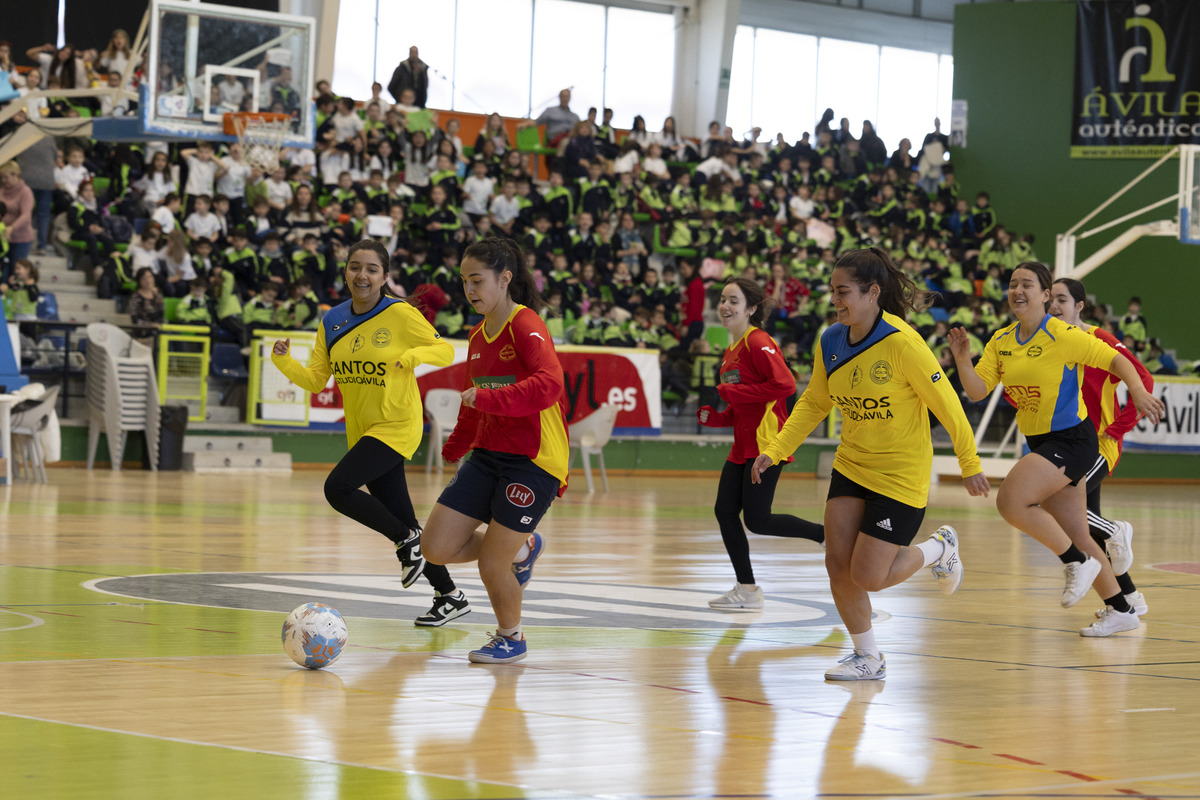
(205, 60)
(1189, 194)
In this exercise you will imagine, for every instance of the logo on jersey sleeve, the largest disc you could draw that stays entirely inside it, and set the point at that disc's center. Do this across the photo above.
(382, 337)
(935, 377)
(519, 495)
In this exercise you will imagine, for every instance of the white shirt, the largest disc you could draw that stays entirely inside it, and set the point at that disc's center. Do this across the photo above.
(348, 126)
(231, 94)
(165, 219)
(801, 208)
(479, 191)
(200, 176)
(69, 178)
(181, 269)
(233, 183)
(626, 163)
(202, 226)
(279, 193)
(656, 166)
(155, 187)
(304, 157)
(505, 210)
(333, 163)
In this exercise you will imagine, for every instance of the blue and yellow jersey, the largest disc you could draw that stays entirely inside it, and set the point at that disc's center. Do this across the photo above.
(1041, 375)
(884, 387)
(371, 358)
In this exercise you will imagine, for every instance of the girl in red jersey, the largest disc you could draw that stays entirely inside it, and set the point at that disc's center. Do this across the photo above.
(514, 426)
(1112, 422)
(755, 382)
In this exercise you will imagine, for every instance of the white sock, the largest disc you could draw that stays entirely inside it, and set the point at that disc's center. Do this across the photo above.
(865, 643)
(511, 633)
(522, 554)
(932, 550)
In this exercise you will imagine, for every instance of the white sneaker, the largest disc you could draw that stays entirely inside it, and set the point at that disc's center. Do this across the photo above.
(947, 570)
(1119, 548)
(1111, 621)
(739, 598)
(1079, 580)
(1137, 601)
(858, 667)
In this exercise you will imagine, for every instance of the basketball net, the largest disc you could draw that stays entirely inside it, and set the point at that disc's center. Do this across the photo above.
(261, 138)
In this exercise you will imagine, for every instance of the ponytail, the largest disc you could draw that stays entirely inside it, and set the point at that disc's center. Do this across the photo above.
(897, 291)
(501, 254)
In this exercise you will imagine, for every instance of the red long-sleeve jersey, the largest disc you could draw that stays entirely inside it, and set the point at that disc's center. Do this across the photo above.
(1100, 397)
(520, 406)
(755, 380)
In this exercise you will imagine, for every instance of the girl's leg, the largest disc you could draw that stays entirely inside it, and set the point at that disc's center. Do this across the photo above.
(1068, 507)
(497, 552)
(1029, 482)
(391, 488)
(451, 537)
(367, 462)
(843, 517)
(757, 499)
(728, 509)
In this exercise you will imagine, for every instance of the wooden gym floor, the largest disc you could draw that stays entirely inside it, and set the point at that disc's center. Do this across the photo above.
(140, 656)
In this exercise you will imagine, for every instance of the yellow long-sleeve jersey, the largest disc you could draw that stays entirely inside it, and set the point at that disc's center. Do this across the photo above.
(371, 357)
(884, 386)
(1041, 375)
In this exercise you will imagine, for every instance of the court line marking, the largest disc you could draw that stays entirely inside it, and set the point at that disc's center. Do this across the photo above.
(34, 621)
(262, 752)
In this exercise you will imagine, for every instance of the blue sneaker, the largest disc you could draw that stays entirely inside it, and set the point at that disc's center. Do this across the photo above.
(500, 650)
(524, 569)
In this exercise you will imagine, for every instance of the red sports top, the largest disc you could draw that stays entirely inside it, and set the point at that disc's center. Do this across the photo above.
(693, 302)
(520, 406)
(1100, 397)
(755, 380)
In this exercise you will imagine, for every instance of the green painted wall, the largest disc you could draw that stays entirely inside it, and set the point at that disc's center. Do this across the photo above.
(1014, 64)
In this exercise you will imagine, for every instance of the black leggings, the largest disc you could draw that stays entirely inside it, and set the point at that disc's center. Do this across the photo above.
(388, 508)
(737, 495)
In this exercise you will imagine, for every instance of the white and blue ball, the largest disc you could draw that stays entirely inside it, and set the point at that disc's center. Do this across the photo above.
(314, 635)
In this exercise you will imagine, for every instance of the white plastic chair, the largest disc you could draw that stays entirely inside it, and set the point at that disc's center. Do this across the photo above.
(27, 428)
(589, 436)
(441, 409)
(122, 393)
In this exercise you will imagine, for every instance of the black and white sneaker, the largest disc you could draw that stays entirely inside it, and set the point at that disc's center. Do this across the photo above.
(445, 608)
(412, 563)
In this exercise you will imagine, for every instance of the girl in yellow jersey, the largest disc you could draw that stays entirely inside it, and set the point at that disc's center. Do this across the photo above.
(885, 381)
(370, 345)
(1039, 359)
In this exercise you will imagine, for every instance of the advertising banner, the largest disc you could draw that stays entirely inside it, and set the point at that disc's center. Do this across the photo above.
(627, 378)
(1137, 78)
(1179, 429)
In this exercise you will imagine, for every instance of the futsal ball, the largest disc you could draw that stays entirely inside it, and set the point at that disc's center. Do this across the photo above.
(314, 635)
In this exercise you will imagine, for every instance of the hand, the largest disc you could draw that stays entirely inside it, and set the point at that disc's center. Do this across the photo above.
(977, 485)
(761, 464)
(281, 347)
(960, 345)
(468, 397)
(1147, 404)
(702, 413)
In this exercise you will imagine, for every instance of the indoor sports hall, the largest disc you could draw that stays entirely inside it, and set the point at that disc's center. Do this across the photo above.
(166, 498)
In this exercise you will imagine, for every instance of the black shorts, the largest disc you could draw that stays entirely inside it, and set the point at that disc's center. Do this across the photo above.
(883, 517)
(1074, 449)
(507, 488)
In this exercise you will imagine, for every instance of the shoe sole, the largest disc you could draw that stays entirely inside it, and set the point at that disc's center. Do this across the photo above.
(458, 612)
(478, 659)
(1126, 562)
(878, 676)
(735, 608)
(535, 557)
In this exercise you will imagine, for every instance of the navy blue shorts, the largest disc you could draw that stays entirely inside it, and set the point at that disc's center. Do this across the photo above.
(1073, 449)
(507, 488)
(883, 517)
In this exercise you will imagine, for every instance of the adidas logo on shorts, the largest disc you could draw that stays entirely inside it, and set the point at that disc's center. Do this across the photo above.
(886, 524)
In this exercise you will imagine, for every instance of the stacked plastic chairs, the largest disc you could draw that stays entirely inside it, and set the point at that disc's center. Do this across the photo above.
(122, 393)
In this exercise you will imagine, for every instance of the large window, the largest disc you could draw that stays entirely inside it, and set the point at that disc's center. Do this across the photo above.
(513, 57)
(782, 82)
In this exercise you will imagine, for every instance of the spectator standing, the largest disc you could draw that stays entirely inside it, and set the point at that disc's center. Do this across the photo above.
(18, 217)
(37, 171)
(559, 120)
(412, 73)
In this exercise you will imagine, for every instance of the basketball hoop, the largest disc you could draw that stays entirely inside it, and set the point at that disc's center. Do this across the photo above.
(260, 134)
